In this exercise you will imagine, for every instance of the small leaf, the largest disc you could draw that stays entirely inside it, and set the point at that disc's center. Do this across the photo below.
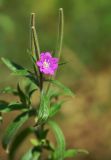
(18, 141)
(11, 65)
(4, 107)
(62, 63)
(34, 142)
(21, 94)
(73, 152)
(22, 72)
(82, 151)
(55, 108)
(30, 88)
(16, 68)
(66, 90)
(31, 92)
(1, 118)
(8, 90)
(53, 94)
(43, 113)
(31, 155)
(70, 153)
(60, 149)
(41, 133)
(27, 155)
(33, 79)
(13, 127)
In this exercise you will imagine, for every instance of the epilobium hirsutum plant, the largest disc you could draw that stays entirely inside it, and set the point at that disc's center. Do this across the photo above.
(42, 80)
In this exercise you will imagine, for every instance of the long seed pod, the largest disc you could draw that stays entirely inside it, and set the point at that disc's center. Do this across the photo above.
(60, 33)
(36, 43)
(32, 24)
(59, 39)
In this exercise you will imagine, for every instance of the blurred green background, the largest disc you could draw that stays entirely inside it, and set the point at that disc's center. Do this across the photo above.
(85, 119)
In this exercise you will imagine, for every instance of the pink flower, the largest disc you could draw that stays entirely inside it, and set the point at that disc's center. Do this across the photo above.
(47, 64)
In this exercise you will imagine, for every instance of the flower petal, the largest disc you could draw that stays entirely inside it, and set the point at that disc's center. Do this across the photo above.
(39, 63)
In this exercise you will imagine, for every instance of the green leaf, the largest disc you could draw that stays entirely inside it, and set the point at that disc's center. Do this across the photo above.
(41, 133)
(13, 128)
(66, 90)
(62, 63)
(1, 118)
(34, 142)
(17, 141)
(33, 79)
(82, 151)
(30, 88)
(53, 94)
(31, 155)
(16, 68)
(27, 155)
(60, 149)
(21, 94)
(73, 152)
(20, 72)
(55, 108)
(43, 113)
(11, 65)
(8, 90)
(70, 153)
(4, 107)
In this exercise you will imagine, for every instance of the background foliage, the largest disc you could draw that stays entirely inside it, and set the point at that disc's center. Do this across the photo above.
(87, 48)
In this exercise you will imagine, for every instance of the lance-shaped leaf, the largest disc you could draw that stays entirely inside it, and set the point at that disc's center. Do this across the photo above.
(43, 113)
(55, 108)
(21, 73)
(8, 89)
(60, 149)
(63, 63)
(19, 70)
(1, 118)
(21, 94)
(17, 141)
(53, 94)
(5, 107)
(31, 154)
(13, 128)
(12, 65)
(33, 79)
(66, 90)
(30, 88)
(70, 153)
(73, 152)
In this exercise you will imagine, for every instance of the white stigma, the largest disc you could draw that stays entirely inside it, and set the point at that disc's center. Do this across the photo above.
(46, 64)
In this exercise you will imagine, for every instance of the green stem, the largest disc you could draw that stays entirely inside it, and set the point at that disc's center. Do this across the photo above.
(35, 49)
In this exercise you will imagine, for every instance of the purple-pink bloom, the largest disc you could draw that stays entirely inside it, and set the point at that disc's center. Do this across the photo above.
(47, 64)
